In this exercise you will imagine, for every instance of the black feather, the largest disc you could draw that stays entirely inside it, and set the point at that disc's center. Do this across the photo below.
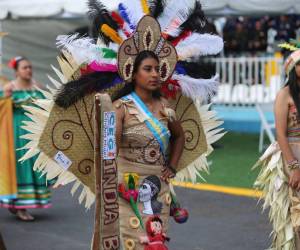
(156, 7)
(204, 68)
(74, 90)
(197, 22)
(99, 15)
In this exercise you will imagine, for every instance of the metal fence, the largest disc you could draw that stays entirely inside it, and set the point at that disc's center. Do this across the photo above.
(248, 80)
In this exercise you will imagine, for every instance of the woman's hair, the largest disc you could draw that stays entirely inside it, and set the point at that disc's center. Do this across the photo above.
(294, 88)
(129, 87)
(74, 90)
(18, 62)
(14, 63)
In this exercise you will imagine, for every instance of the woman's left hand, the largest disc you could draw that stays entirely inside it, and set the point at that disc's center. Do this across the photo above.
(167, 174)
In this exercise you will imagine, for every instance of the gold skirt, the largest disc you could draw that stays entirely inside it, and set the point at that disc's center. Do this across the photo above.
(283, 201)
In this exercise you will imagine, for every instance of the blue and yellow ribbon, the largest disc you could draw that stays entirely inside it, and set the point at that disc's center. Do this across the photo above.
(159, 131)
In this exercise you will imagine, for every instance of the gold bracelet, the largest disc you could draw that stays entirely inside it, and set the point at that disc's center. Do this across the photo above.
(294, 165)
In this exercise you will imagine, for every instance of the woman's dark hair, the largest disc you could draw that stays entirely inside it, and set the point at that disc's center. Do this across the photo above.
(294, 88)
(14, 63)
(74, 90)
(129, 87)
(20, 60)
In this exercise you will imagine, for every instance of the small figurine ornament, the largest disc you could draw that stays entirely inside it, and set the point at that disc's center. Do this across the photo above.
(155, 237)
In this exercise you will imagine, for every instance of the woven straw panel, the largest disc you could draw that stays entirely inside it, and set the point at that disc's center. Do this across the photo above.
(71, 132)
(195, 139)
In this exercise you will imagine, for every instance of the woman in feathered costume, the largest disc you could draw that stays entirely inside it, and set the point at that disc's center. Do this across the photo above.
(147, 59)
(279, 177)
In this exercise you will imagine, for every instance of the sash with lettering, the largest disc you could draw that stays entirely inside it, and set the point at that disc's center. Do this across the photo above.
(106, 232)
(159, 131)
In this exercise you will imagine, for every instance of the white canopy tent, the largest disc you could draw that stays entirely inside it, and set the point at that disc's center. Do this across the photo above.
(47, 8)
(35, 39)
(34, 24)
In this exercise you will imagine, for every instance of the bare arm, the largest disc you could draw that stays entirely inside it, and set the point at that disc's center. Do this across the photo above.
(177, 141)
(281, 114)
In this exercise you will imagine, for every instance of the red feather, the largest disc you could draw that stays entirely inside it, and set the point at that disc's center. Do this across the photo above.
(120, 21)
(181, 37)
(117, 18)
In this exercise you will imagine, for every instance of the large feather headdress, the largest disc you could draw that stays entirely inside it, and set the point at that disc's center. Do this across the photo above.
(178, 32)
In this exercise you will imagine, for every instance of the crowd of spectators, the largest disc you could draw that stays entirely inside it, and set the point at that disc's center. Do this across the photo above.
(259, 34)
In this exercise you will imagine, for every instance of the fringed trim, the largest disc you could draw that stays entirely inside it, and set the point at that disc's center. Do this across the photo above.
(39, 115)
(210, 123)
(274, 185)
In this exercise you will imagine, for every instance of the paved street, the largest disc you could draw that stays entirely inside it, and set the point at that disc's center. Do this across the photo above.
(217, 222)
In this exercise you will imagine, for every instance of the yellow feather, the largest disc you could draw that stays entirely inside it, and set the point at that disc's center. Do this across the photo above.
(145, 7)
(111, 33)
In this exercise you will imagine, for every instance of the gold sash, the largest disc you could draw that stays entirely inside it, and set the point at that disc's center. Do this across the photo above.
(8, 182)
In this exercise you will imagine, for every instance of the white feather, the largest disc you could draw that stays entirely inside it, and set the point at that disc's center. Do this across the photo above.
(175, 10)
(114, 46)
(197, 88)
(122, 34)
(134, 10)
(198, 45)
(83, 49)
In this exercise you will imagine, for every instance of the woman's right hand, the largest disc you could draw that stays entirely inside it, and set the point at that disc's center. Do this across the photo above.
(294, 181)
(7, 90)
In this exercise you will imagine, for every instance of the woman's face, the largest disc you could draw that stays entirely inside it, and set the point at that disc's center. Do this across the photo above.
(297, 69)
(147, 75)
(24, 70)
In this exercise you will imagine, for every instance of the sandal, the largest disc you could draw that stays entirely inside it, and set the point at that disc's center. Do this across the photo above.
(23, 215)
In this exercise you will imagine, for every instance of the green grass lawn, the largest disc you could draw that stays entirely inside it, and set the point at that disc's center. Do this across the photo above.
(232, 160)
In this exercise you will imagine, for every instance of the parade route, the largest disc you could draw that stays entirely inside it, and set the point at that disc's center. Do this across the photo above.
(217, 222)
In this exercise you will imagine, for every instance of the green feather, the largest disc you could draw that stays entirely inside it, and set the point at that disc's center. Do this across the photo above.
(108, 53)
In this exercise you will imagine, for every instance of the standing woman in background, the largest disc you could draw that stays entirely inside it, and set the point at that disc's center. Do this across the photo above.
(279, 177)
(32, 190)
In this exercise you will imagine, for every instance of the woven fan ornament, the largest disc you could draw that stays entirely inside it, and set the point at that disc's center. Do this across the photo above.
(62, 124)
